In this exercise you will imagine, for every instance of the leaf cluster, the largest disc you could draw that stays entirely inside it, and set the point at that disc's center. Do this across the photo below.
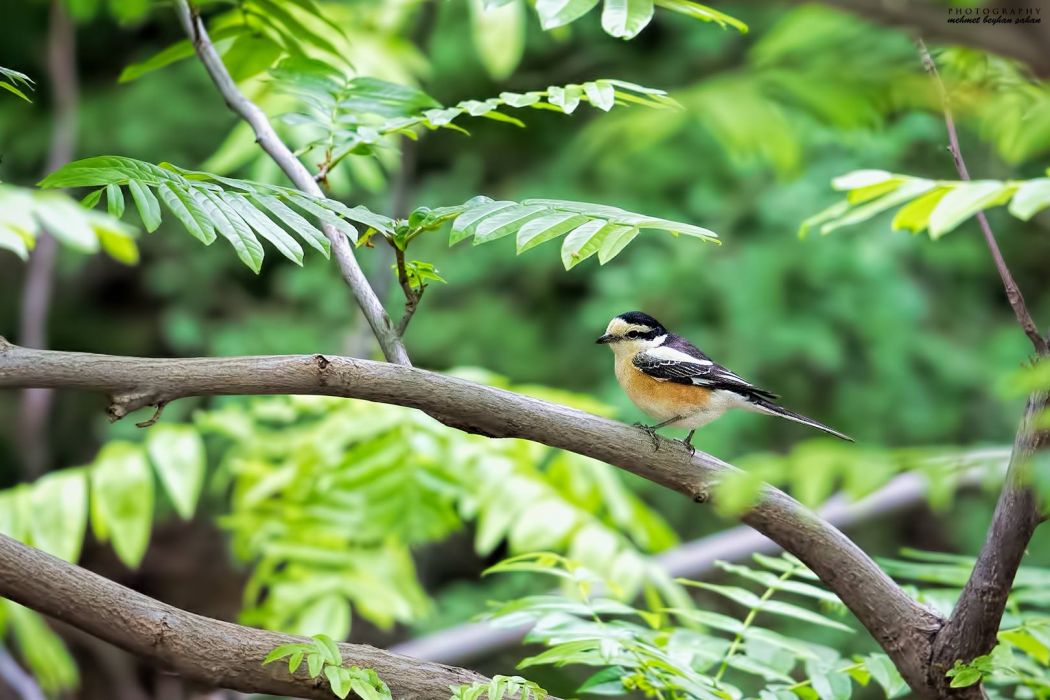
(16, 83)
(323, 658)
(696, 652)
(935, 206)
(205, 204)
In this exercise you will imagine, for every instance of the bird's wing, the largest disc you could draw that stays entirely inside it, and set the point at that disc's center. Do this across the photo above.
(682, 363)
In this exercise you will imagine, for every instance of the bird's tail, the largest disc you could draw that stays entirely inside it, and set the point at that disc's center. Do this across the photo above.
(764, 406)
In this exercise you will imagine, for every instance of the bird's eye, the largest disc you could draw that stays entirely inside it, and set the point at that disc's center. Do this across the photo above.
(633, 334)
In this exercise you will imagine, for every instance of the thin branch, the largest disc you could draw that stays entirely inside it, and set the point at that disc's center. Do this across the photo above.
(37, 289)
(220, 654)
(267, 138)
(901, 626)
(1013, 292)
(412, 294)
(971, 631)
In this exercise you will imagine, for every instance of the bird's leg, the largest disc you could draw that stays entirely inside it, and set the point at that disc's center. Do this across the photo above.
(651, 430)
(688, 442)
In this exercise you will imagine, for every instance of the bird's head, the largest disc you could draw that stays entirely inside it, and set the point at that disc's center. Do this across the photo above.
(633, 332)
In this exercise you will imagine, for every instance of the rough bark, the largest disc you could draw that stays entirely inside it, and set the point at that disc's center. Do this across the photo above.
(214, 652)
(901, 626)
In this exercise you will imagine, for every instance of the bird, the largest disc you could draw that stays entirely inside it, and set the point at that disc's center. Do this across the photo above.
(672, 381)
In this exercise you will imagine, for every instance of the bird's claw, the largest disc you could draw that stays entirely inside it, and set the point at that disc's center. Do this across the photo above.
(651, 432)
(689, 446)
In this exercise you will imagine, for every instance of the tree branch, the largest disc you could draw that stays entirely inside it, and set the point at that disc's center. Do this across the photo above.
(267, 138)
(218, 653)
(1013, 292)
(901, 626)
(412, 295)
(971, 631)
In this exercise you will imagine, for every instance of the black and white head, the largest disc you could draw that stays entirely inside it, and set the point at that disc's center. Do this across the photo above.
(633, 332)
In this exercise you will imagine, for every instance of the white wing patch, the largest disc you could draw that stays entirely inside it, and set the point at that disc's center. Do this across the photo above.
(667, 354)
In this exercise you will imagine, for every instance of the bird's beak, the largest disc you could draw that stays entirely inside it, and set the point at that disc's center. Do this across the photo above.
(605, 339)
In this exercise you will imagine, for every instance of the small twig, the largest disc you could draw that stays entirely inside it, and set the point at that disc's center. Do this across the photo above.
(155, 417)
(1013, 292)
(413, 295)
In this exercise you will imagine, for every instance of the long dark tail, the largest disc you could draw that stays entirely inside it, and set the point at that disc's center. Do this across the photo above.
(764, 406)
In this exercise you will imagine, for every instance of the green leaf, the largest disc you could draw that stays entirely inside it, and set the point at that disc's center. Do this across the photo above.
(965, 678)
(499, 36)
(965, 200)
(546, 227)
(615, 241)
(1028, 643)
(146, 203)
(66, 221)
(601, 94)
(584, 241)
(283, 651)
(276, 235)
(325, 616)
(91, 199)
(339, 679)
(58, 514)
(122, 491)
(232, 228)
(915, 216)
(114, 201)
(186, 209)
(885, 674)
(329, 649)
(558, 13)
(176, 52)
(1031, 197)
(703, 13)
(299, 225)
(464, 224)
(505, 221)
(177, 453)
(625, 18)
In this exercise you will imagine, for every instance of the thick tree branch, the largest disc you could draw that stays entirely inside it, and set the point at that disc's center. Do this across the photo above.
(267, 138)
(1013, 292)
(214, 652)
(974, 622)
(902, 627)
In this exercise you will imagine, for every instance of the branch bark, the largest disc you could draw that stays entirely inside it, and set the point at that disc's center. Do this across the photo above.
(900, 626)
(214, 652)
(971, 631)
(377, 317)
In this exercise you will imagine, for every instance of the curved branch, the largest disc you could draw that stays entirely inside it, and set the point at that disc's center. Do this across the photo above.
(267, 138)
(974, 622)
(210, 651)
(901, 626)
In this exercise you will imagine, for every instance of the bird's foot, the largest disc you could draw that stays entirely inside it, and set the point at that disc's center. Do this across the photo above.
(651, 432)
(688, 442)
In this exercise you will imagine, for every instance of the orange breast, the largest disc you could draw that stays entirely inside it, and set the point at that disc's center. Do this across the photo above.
(661, 400)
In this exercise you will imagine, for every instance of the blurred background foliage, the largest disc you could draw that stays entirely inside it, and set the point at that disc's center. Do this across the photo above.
(898, 341)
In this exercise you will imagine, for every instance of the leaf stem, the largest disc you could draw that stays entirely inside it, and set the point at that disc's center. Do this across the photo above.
(751, 615)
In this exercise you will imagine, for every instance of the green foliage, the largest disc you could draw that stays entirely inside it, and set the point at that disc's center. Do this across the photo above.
(588, 228)
(115, 493)
(205, 204)
(1019, 663)
(936, 206)
(354, 115)
(16, 83)
(324, 659)
(25, 213)
(815, 469)
(624, 19)
(499, 687)
(329, 496)
(693, 653)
